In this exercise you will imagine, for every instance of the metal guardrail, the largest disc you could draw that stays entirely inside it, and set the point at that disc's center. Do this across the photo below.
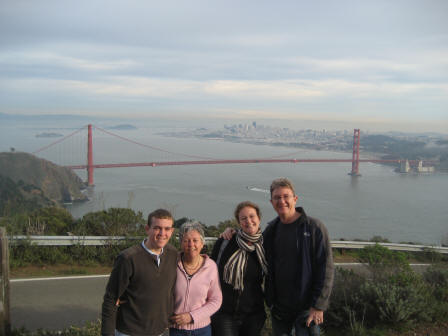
(392, 246)
(103, 240)
(69, 240)
(78, 240)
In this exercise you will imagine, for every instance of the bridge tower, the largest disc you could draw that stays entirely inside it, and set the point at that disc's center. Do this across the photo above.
(355, 156)
(89, 157)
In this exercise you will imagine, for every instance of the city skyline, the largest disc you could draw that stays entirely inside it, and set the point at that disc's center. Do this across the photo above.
(383, 64)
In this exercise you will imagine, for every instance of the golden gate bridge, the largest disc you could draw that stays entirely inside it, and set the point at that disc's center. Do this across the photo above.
(90, 165)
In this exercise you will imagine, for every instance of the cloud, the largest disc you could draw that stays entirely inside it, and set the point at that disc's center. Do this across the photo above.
(339, 60)
(42, 58)
(268, 90)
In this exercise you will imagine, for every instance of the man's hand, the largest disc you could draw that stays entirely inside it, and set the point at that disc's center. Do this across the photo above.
(315, 315)
(119, 302)
(227, 234)
(181, 319)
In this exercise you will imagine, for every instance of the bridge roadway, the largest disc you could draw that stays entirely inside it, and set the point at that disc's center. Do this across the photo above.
(57, 303)
(242, 161)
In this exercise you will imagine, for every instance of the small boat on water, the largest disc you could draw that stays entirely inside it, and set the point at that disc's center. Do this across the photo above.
(258, 189)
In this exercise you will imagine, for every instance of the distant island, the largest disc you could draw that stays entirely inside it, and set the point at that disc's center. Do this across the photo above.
(123, 127)
(49, 135)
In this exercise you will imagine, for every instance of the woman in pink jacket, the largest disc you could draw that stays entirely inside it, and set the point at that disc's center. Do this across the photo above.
(197, 292)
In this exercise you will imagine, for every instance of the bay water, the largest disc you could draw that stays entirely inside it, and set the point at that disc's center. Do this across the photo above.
(401, 208)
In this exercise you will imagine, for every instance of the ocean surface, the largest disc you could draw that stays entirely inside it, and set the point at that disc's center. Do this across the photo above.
(401, 208)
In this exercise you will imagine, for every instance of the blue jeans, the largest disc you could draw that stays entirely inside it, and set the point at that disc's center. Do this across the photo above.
(284, 328)
(244, 325)
(206, 331)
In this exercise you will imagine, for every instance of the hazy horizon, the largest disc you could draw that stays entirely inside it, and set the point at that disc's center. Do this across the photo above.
(168, 121)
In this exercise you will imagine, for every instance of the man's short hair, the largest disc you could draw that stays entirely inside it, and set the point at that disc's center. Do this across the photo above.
(243, 205)
(282, 182)
(160, 214)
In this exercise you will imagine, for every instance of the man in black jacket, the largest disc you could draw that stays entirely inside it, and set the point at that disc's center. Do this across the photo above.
(300, 265)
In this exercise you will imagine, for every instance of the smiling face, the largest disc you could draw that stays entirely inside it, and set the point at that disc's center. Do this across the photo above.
(249, 220)
(159, 233)
(192, 244)
(284, 202)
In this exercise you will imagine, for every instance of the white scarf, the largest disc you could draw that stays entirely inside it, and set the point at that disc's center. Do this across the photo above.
(236, 265)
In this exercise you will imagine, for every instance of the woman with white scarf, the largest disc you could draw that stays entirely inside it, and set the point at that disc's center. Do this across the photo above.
(242, 266)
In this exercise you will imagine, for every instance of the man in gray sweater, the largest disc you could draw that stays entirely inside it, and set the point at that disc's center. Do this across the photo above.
(139, 294)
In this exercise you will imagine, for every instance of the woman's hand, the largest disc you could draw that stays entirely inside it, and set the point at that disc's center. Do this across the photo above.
(181, 319)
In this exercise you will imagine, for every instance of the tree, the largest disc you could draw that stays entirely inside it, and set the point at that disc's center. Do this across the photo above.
(111, 222)
(213, 231)
(52, 220)
(180, 221)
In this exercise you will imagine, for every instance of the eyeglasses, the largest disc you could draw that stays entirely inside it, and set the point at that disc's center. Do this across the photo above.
(284, 197)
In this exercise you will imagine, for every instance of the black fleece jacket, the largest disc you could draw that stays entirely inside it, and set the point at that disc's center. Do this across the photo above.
(314, 263)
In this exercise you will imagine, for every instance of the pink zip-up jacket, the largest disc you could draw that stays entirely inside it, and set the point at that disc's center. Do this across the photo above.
(200, 296)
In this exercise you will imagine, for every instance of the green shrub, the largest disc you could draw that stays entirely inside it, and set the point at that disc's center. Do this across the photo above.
(379, 239)
(403, 298)
(429, 254)
(378, 255)
(390, 296)
(383, 262)
(25, 254)
(110, 222)
(49, 221)
(346, 305)
(396, 293)
(436, 277)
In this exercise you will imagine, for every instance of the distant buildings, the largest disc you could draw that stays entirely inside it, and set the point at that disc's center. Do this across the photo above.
(405, 167)
(421, 169)
(389, 147)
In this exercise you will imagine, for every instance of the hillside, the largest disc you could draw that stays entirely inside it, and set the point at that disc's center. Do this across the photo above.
(19, 197)
(56, 183)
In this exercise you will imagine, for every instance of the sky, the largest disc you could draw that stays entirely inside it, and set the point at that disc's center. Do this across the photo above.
(382, 62)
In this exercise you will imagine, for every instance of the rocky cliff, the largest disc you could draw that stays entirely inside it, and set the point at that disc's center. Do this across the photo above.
(57, 183)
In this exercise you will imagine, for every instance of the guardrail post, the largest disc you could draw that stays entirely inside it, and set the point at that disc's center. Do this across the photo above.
(5, 323)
